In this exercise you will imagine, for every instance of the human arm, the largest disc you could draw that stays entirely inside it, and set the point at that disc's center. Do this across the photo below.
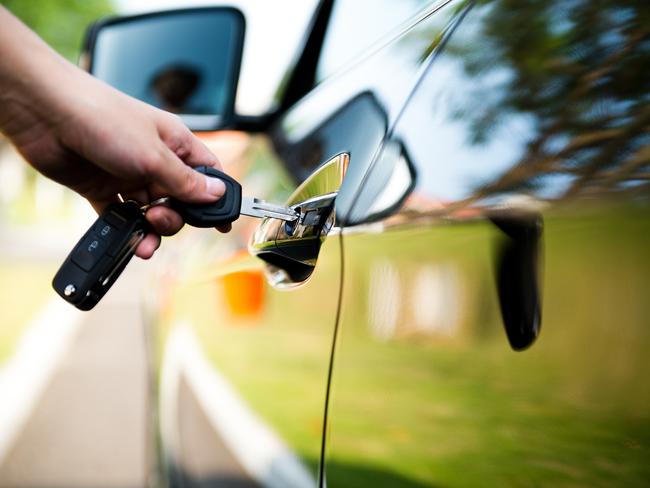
(93, 139)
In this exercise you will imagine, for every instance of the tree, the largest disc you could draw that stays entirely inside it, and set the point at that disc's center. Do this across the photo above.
(579, 71)
(60, 22)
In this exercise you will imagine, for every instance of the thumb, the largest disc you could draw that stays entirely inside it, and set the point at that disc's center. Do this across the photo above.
(173, 177)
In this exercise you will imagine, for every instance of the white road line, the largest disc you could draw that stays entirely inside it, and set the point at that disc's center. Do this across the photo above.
(26, 374)
(260, 451)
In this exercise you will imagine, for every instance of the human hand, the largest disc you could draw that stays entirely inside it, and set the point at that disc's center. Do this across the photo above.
(100, 143)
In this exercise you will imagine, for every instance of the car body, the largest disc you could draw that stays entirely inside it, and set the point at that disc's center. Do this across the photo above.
(477, 169)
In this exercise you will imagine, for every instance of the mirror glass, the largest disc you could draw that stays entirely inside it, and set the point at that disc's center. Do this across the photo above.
(185, 62)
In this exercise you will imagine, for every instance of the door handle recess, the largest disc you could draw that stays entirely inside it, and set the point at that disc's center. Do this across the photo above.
(291, 249)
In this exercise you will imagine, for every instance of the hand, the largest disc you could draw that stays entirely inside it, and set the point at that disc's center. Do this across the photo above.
(106, 143)
(99, 142)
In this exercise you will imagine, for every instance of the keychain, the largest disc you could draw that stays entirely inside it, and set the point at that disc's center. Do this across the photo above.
(106, 248)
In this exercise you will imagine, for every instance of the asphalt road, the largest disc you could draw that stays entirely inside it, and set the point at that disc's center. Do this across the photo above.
(90, 427)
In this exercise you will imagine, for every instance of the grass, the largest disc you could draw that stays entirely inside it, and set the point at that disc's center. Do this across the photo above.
(24, 289)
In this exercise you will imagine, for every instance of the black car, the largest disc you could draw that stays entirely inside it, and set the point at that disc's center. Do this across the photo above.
(464, 300)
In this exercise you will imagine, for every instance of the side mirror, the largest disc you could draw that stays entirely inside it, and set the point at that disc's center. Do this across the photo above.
(183, 61)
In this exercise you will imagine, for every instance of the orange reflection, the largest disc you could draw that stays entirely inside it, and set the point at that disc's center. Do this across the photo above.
(230, 147)
(244, 293)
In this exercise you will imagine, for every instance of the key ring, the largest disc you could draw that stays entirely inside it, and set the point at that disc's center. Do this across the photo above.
(146, 206)
(155, 203)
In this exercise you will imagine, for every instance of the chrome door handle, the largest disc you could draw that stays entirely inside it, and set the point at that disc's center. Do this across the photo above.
(293, 247)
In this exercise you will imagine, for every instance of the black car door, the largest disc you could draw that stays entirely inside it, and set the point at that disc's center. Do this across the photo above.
(494, 322)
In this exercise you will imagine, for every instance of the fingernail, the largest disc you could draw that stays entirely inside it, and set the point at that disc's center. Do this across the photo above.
(215, 186)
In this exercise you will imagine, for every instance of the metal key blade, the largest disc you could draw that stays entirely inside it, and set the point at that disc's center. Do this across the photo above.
(254, 207)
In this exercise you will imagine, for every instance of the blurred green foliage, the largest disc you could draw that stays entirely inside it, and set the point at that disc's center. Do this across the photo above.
(426, 410)
(577, 72)
(61, 23)
(18, 307)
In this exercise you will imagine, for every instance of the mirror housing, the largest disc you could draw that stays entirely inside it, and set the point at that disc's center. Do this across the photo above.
(184, 61)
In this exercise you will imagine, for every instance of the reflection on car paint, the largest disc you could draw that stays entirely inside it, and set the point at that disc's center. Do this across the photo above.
(530, 113)
(521, 114)
(436, 300)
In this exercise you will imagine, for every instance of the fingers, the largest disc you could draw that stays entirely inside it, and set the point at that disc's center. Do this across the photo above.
(171, 176)
(148, 246)
(187, 147)
(170, 171)
(164, 220)
(199, 154)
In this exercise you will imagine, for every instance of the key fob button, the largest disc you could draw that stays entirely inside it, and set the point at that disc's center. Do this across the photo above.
(100, 256)
(89, 252)
(114, 219)
(106, 232)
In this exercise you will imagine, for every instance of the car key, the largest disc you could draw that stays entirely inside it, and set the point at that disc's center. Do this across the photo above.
(106, 248)
(229, 207)
(101, 255)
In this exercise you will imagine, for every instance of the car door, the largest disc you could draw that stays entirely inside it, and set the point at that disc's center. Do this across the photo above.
(256, 333)
(493, 328)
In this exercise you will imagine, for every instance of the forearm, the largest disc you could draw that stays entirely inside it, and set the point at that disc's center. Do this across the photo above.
(32, 76)
(81, 132)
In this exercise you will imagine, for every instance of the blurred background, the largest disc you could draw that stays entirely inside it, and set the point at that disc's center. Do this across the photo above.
(75, 389)
(50, 408)
(37, 217)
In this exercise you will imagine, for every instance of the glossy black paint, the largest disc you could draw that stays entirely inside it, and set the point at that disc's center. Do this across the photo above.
(509, 114)
(498, 173)
(302, 76)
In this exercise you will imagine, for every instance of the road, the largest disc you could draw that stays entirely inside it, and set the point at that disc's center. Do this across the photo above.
(92, 424)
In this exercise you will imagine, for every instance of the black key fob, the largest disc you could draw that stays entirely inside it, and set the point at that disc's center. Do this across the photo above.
(223, 211)
(101, 255)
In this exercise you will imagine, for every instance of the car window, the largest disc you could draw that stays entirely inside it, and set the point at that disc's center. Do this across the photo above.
(269, 49)
(355, 25)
